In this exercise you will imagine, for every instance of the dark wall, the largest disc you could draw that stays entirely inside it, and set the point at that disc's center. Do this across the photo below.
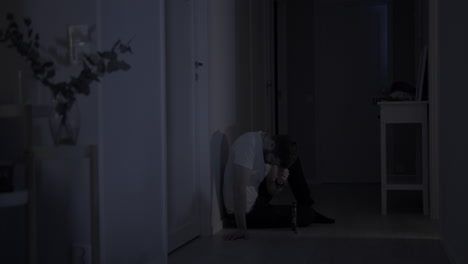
(302, 72)
(300, 79)
(453, 69)
(403, 41)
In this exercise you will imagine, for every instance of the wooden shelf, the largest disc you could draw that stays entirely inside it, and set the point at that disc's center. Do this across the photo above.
(12, 199)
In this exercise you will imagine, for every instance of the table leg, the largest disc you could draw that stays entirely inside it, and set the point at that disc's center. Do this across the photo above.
(425, 165)
(383, 165)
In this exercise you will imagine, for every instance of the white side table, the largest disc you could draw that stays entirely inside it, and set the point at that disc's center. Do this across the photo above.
(63, 153)
(404, 112)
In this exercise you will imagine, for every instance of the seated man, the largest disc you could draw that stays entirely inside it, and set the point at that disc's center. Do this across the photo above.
(256, 170)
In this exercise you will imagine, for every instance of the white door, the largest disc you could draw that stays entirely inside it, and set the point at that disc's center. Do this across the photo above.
(352, 68)
(182, 170)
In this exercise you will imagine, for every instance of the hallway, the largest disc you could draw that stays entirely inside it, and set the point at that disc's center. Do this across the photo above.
(360, 235)
(287, 248)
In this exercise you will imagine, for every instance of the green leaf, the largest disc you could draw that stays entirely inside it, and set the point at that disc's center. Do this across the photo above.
(115, 45)
(88, 75)
(124, 66)
(89, 60)
(34, 56)
(81, 86)
(58, 88)
(27, 21)
(45, 82)
(61, 86)
(101, 67)
(112, 66)
(48, 64)
(124, 49)
(108, 55)
(68, 94)
(50, 74)
(74, 82)
(61, 108)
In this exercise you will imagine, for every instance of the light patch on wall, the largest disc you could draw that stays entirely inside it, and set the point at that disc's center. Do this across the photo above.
(79, 42)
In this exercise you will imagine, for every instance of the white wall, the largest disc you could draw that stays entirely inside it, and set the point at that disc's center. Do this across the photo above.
(222, 84)
(453, 128)
(124, 116)
(131, 137)
(235, 86)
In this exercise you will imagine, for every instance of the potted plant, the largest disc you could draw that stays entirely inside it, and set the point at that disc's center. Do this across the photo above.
(64, 124)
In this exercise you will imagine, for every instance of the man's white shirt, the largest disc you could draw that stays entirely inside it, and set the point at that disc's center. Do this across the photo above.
(246, 151)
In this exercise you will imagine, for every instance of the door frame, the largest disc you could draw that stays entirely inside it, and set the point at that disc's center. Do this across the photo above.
(164, 240)
(202, 130)
(434, 109)
(203, 115)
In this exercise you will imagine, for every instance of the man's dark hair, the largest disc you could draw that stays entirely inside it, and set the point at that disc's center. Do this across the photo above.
(285, 150)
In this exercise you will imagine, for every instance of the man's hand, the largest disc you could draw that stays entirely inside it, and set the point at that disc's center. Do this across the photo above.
(238, 234)
(283, 176)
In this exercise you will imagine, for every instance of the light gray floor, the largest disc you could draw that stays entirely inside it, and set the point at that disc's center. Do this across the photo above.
(360, 234)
